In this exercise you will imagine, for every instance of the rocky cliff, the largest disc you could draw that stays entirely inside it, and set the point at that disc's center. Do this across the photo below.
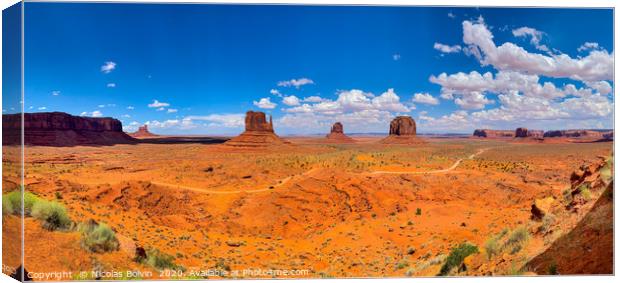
(62, 129)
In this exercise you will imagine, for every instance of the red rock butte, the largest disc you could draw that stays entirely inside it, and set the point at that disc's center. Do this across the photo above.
(62, 129)
(258, 132)
(143, 132)
(337, 134)
(402, 131)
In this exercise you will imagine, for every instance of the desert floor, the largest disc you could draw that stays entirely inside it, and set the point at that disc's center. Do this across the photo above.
(312, 208)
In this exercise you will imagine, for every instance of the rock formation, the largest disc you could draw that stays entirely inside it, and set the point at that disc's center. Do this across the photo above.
(402, 131)
(403, 126)
(143, 132)
(337, 134)
(62, 129)
(258, 132)
(575, 134)
(525, 133)
(486, 133)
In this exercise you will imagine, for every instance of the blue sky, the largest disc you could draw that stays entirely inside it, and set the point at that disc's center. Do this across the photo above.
(195, 69)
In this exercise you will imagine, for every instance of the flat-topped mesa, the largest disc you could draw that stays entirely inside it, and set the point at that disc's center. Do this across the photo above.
(487, 133)
(525, 133)
(588, 134)
(402, 131)
(142, 132)
(258, 132)
(337, 134)
(62, 129)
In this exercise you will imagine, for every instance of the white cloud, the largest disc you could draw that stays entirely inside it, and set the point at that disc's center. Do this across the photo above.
(425, 98)
(157, 104)
(297, 83)
(470, 87)
(597, 66)
(160, 109)
(108, 67)
(474, 100)
(130, 108)
(291, 100)
(313, 98)
(389, 101)
(396, 57)
(451, 15)
(265, 103)
(221, 120)
(351, 101)
(447, 48)
(131, 127)
(42, 108)
(111, 85)
(587, 46)
(95, 113)
(56, 92)
(166, 124)
(535, 37)
(101, 105)
(170, 110)
(275, 92)
(602, 87)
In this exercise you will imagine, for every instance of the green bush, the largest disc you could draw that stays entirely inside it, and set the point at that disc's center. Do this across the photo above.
(12, 203)
(492, 247)
(160, 260)
(98, 238)
(53, 215)
(517, 239)
(456, 257)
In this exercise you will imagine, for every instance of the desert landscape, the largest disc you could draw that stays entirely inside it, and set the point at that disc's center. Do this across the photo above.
(255, 141)
(264, 206)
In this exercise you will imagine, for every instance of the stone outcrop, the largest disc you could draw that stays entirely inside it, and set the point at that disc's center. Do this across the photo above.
(258, 132)
(402, 131)
(575, 134)
(487, 133)
(337, 134)
(143, 132)
(525, 133)
(403, 126)
(62, 129)
(257, 121)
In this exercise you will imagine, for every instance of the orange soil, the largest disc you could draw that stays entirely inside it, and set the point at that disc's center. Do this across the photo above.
(311, 206)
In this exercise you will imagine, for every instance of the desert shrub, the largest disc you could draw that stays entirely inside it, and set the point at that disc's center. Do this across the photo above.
(456, 257)
(7, 206)
(492, 247)
(586, 194)
(53, 215)
(402, 264)
(567, 196)
(418, 211)
(547, 221)
(160, 260)
(98, 237)
(517, 239)
(12, 202)
(552, 269)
